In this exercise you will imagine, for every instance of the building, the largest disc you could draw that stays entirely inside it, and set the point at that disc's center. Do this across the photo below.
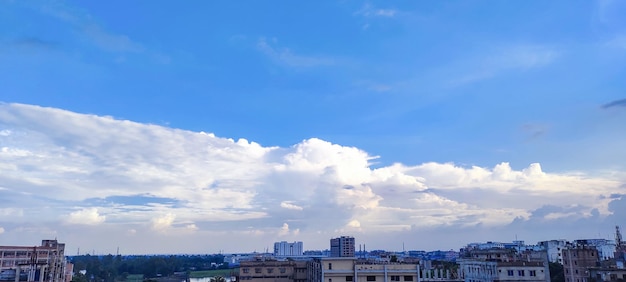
(344, 269)
(285, 249)
(553, 248)
(342, 247)
(577, 260)
(45, 263)
(605, 274)
(492, 271)
(276, 271)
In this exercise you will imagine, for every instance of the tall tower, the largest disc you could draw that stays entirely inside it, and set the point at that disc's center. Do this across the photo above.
(618, 238)
(342, 247)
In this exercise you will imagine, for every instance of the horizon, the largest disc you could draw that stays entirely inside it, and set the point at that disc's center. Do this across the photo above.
(162, 127)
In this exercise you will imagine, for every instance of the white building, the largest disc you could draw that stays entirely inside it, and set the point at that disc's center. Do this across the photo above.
(553, 248)
(286, 249)
(345, 269)
(491, 271)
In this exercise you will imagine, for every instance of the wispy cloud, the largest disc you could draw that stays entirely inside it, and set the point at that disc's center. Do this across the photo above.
(370, 11)
(287, 57)
(616, 103)
(523, 58)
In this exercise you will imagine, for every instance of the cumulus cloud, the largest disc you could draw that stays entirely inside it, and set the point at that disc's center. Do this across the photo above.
(88, 216)
(164, 222)
(145, 177)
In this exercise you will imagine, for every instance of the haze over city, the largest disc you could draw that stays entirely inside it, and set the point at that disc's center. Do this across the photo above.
(204, 127)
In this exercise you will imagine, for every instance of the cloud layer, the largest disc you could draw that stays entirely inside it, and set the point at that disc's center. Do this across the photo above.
(70, 175)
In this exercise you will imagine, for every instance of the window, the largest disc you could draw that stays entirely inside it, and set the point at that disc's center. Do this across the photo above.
(270, 270)
(576, 271)
(395, 278)
(521, 273)
(532, 273)
(371, 278)
(245, 270)
(408, 278)
(349, 278)
(282, 270)
(510, 272)
(330, 266)
(257, 270)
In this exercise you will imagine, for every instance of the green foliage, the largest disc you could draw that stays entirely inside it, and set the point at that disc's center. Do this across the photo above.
(556, 272)
(112, 268)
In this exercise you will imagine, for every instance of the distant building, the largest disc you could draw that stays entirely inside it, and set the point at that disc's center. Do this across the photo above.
(577, 260)
(342, 246)
(345, 269)
(500, 271)
(553, 248)
(286, 249)
(45, 263)
(278, 271)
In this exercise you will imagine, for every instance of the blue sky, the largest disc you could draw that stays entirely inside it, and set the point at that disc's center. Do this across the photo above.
(464, 105)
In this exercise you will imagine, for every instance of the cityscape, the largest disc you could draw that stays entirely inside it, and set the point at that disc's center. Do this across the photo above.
(581, 260)
(312, 141)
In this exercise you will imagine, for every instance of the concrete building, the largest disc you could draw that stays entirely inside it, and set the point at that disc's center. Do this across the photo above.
(611, 274)
(277, 271)
(492, 271)
(606, 248)
(553, 248)
(45, 263)
(286, 249)
(344, 269)
(342, 246)
(577, 260)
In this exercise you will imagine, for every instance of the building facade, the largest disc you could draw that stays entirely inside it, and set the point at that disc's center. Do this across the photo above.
(509, 271)
(275, 271)
(45, 263)
(342, 247)
(286, 249)
(338, 269)
(577, 260)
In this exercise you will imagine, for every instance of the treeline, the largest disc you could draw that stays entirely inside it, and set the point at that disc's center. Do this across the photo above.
(111, 268)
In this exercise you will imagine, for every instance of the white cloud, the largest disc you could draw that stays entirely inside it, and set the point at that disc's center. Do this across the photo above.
(370, 11)
(1, 230)
(88, 216)
(287, 57)
(164, 222)
(198, 182)
(512, 58)
(290, 206)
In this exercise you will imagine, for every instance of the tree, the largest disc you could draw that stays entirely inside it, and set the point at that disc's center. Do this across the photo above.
(556, 272)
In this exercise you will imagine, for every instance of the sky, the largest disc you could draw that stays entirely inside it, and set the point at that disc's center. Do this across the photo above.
(225, 126)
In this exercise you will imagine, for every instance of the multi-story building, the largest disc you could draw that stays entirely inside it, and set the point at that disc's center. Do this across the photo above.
(500, 271)
(286, 249)
(34, 263)
(342, 247)
(276, 271)
(577, 260)
(553, 248)
(344, 269)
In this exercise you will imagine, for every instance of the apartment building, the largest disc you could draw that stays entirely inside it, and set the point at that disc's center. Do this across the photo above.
(577, 260)
(338, 269)
(45, 263)
(286, 249)
(342, 247)
(265, 270)
(503, 271)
